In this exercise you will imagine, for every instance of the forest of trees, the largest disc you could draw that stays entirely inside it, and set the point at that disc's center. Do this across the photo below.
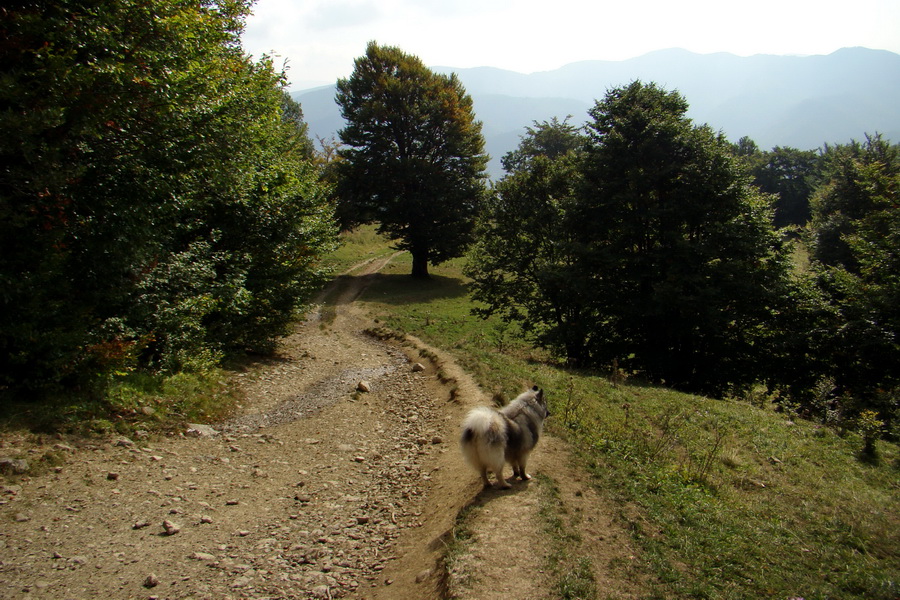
(162, 207)
(159, 207)
(645, 241)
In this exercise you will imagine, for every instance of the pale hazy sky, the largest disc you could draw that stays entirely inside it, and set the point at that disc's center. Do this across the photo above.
(320, 38)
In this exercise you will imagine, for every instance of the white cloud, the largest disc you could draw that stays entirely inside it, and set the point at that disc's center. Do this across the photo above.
(343, 13)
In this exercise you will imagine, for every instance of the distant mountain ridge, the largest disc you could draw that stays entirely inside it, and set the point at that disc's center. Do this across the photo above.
(796, 101)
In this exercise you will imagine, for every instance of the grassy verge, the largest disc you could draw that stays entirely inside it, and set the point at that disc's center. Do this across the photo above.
(156, 402)
(574, 577)
(363, 243)
(131, 403)
(725, 500)
(456, 552)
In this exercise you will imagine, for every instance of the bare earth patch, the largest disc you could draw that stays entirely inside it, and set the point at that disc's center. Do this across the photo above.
(315, 490)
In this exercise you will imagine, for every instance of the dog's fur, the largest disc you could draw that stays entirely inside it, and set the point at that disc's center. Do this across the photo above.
(491, 438)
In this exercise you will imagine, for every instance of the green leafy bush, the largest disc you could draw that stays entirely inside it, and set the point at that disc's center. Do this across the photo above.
(157, 208)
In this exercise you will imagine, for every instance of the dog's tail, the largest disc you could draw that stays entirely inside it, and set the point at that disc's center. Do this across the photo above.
(483, 439)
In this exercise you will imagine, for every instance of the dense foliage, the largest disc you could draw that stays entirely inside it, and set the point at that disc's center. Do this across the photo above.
(650, 248)
(640, 245)
(524, 261)
(156, 206)
(788, 173)
(414, 160)
(854, 238)
(686, 268)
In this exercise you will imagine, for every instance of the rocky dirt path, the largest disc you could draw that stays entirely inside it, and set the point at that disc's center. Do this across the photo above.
(314, 490)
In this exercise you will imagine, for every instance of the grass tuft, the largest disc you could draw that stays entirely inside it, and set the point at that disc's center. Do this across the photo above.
(573, 574)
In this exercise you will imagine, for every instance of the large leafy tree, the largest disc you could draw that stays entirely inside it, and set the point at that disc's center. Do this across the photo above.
(686, 271)
(414, 160)
(855, 238)
(545, 139)
(847, 195)
(677, 244)
(152, 196)
(791, 175)
(523, 262)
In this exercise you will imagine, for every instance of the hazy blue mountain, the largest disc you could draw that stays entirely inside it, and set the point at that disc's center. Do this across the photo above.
(776, 100)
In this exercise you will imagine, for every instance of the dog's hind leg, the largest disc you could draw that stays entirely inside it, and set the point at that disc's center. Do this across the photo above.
(484, 477)
(519, 469)
(498, 473)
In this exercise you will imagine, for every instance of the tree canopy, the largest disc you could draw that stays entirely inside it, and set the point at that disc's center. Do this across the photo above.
(523, 264)
(854, 237)
(789, 174)
(414, 160)
(648, 247)
(155, 206)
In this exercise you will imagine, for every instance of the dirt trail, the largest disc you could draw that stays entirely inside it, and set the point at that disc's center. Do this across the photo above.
(314, 490)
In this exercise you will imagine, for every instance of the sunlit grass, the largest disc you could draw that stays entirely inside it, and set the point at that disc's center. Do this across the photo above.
(363, 243)
(127, 404)
(734, 501)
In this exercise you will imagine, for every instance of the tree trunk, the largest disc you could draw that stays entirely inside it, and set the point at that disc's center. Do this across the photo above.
(420, 264)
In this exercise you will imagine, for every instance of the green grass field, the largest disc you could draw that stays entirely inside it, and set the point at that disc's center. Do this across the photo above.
(726, 499)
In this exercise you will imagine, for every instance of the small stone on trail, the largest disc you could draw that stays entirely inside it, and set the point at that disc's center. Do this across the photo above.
(10, 490)
(418, 367)
(199, 430)
(141, 524)
(321, 591)
(112, 476)
(203, 556)
(170, 527)
(423, 575)
(231, 502)
(364, 386)
(22, 517)
(205, 519)
(151, 581)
